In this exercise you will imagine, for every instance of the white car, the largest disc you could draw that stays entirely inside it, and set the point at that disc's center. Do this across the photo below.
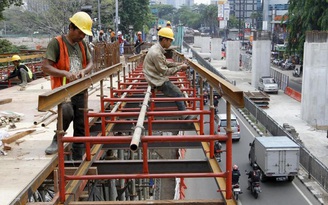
(222, 125)
(268, 84)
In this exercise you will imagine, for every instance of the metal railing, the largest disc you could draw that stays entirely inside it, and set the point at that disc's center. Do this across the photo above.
(309, 162)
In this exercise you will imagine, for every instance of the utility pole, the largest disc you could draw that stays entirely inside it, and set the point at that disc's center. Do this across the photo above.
(116, 17)
(99, 20)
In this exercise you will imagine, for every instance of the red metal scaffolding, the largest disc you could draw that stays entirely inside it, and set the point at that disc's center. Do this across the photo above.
(132, 88)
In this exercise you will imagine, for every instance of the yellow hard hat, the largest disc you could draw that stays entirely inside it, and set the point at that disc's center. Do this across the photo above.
(168, 22)
(83, 21)
(15, 58)
(166, 33)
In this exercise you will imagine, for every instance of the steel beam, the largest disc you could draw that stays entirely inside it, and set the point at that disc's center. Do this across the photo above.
(59, 95)
(230, 92)
(155, 166)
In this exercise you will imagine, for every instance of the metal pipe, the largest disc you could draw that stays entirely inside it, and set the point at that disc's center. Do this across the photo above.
(142, 176)
(229, 153)
(125, 139)
(61, 159)
(139, 127)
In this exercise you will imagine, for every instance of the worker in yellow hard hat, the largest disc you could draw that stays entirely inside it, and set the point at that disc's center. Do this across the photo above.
(67, 59)
(157, 69)
(168, 24)
(21, 71)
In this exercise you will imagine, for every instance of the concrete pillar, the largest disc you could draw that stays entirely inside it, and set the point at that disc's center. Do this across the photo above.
(314, 109)
(233, 53)
(205, 44)
(261, 55)
(216, 48)
(197, 41)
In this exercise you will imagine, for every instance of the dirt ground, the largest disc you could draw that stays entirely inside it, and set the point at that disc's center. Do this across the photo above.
(31, 42)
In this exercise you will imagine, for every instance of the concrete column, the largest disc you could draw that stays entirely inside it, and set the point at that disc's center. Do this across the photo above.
(216, 48)
(261, 54)
(205, 44)
(233, 53)
(197, 41)
(314, 109)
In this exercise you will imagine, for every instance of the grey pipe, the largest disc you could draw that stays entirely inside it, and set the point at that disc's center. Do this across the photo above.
(139, 127)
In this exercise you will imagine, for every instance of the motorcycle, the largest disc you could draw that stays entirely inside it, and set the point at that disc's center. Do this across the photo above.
(255, 187)
(217, 151)
(218, 156)
(236, 190)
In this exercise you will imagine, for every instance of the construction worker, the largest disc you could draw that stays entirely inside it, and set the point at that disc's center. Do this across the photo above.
(138, 43)
(168, 24)
(157, 69)
(159, 27)
(21, 71)
(121, 41)
(101, 37)
(67, 59)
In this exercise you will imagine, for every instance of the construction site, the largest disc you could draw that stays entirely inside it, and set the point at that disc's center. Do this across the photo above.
(135, 140)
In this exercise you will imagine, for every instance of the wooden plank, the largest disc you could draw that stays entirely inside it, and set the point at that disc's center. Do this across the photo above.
(7, 100)
(17, 136)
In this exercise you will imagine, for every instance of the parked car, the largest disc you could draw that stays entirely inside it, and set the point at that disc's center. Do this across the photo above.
(268, 84)
(222, 125)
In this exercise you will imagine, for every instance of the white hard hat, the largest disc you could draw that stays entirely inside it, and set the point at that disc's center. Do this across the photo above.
(119, 33)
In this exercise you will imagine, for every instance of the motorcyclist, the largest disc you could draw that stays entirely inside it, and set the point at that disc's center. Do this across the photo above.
(217, 149)
(216, 103)
(253, 176)
(235, 174)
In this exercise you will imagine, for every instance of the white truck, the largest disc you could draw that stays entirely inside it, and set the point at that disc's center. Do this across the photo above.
(276, 156)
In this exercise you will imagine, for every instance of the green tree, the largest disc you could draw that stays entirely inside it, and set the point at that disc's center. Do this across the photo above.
(255, 16)
(233, 22)
(134, 13)
(7, 47)
(305, 15)
(6, 3)
(46, 16)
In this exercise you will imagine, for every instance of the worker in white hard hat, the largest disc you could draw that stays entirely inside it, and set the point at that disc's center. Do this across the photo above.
(139, 42)
(121, 41)
(67, 59)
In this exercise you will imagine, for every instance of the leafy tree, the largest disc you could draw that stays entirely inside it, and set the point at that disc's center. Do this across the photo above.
(45, 16)
(135, 13)
(7, 3)
(233, 22)
(255, 16)
(107, 13)
(7, 47)
(305, 15)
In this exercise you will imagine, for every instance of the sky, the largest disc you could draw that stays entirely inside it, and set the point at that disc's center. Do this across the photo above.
(202, 1)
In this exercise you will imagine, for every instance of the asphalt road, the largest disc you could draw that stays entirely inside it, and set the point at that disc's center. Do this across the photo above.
(273, 192)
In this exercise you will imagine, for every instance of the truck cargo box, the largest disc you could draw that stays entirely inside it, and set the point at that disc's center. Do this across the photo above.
(276, 156)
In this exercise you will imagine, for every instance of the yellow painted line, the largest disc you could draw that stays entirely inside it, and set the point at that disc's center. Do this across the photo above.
(221, 181)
